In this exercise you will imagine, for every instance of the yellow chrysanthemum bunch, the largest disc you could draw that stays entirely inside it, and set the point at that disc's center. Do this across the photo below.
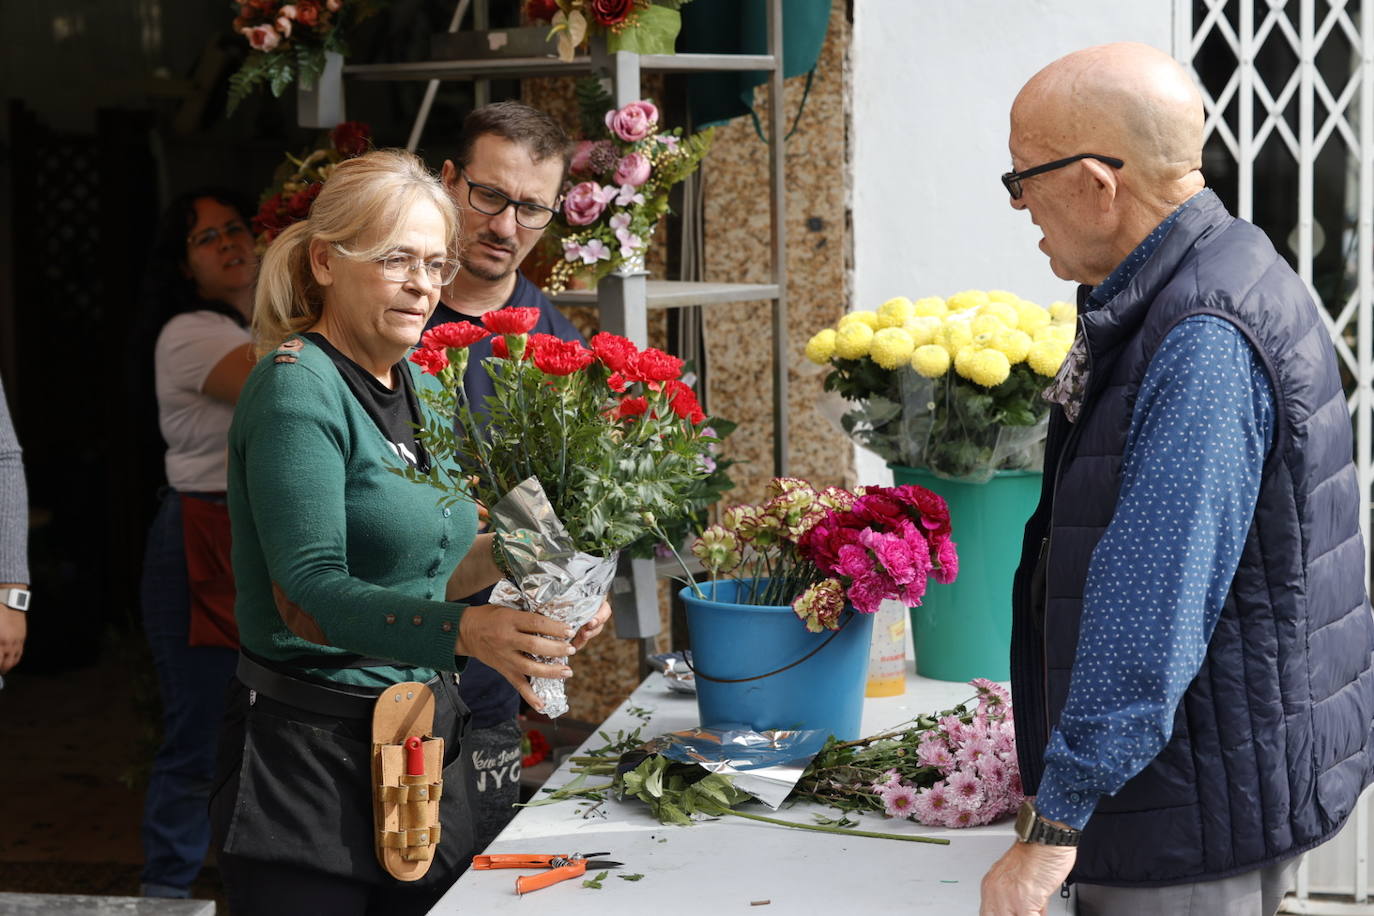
(982, 335)
(952, 385)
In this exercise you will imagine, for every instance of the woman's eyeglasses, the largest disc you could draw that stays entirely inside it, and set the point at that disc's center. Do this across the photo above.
(207, 237)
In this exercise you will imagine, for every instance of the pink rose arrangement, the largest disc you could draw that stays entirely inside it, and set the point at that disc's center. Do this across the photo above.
(289, 39)
(644, 26)
(617, 191)
(822, 551)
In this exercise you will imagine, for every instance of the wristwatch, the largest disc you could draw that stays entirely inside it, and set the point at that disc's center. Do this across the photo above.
(16, 599)
(1032, 828)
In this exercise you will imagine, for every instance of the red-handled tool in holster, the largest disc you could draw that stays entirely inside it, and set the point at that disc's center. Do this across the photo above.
(561, 867)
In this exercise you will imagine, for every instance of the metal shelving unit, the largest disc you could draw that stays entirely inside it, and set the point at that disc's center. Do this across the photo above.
(624, 299)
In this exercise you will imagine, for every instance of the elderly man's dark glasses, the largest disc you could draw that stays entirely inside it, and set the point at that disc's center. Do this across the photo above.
(1012, 180)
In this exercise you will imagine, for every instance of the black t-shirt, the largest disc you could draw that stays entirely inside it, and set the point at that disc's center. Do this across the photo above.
(489, 695)
(395, 410)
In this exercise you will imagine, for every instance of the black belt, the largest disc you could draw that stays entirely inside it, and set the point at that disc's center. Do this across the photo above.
(342, 701)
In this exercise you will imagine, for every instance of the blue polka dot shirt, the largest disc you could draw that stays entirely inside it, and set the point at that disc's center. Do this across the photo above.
(1200, 432)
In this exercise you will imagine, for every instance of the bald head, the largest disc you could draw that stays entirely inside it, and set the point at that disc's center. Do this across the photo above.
(1126, 100)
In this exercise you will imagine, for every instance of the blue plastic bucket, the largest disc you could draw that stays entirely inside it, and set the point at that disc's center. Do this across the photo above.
(809, 680)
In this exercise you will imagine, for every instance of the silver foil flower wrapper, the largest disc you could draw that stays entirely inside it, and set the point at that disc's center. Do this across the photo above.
(767, 764)
(547, 575)
(676, 668)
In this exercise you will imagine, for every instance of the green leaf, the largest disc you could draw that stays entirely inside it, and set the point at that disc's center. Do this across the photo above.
(282, 75)
(595, 882)
(655, 32)
(670, 813)
(653, 780)
(631, 877)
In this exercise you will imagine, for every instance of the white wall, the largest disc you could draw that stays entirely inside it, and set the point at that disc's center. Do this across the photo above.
(933, 83)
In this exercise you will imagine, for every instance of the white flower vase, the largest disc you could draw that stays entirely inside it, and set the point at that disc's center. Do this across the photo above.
(632, 265)
(322, 105)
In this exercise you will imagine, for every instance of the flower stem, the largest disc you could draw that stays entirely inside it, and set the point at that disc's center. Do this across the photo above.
(687, 573)
(940, 841)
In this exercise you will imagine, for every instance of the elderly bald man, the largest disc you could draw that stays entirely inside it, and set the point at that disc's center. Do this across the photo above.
(1192, 639)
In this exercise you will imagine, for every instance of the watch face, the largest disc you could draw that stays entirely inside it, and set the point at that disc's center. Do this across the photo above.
(17, 598)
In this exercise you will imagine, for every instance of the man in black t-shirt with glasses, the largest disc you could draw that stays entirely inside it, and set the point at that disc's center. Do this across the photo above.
(507, 182)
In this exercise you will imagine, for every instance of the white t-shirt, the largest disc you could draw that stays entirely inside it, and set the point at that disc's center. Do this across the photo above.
(195, 425)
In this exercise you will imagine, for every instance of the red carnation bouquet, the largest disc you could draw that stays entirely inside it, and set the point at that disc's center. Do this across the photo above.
(582, 451)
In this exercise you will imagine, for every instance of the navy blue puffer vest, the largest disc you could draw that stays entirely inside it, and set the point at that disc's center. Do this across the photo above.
(1271, 742)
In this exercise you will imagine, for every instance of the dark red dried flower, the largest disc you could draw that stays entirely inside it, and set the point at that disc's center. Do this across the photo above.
(611, 12)
(352, 138)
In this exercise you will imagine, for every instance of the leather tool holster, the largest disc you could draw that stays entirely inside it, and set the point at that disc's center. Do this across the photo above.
(405, 806)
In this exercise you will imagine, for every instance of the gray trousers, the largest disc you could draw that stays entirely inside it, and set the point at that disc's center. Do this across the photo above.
(1254, 893)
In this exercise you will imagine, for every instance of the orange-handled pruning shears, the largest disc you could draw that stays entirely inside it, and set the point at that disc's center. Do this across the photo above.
(561, 868)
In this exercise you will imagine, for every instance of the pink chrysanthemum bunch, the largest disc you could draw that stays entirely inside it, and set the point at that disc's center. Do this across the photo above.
(824, 550)
(975, 757)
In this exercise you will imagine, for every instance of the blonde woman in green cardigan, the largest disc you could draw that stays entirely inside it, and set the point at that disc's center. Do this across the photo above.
(342, 566)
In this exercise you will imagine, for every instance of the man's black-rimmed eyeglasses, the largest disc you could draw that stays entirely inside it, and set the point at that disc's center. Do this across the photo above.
(1012, 180)
(490, 201)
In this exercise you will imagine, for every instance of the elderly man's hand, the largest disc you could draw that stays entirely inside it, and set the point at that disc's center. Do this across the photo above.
(14, 627)
(1022, 881)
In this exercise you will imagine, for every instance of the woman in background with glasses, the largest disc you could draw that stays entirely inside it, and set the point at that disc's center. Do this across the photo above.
(343, 565)
(193, 327)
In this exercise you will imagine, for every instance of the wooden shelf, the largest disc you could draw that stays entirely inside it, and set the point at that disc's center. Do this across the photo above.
(516, 67)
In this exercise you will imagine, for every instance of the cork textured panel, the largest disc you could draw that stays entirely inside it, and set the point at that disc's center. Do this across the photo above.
(818, 245)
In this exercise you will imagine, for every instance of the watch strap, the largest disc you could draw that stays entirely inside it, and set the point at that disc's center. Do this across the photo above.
(1031, 827)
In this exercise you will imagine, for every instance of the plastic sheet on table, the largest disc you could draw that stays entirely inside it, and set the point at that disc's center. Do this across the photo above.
(765, 764)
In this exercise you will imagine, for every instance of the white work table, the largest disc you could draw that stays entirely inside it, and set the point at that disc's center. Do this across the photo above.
(731, 864)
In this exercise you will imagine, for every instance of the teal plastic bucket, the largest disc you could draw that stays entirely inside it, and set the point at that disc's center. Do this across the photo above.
(758, 666)
(963, 630)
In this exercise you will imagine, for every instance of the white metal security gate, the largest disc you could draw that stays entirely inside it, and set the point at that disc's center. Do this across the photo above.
(1289, 92)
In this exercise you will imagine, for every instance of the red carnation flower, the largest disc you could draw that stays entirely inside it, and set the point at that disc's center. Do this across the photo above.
(654, 365)
(352, 138)
(535, 748)
(561, 357)
(612, 12)
(432, 360)
(511, 321)
(615, 352)
(618, 383)
(499, 348)
(456, 334)
(631, 407)
(538, 340)
(683, 400)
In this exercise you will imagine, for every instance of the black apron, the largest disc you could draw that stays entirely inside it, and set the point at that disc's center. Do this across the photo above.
(293, 787)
